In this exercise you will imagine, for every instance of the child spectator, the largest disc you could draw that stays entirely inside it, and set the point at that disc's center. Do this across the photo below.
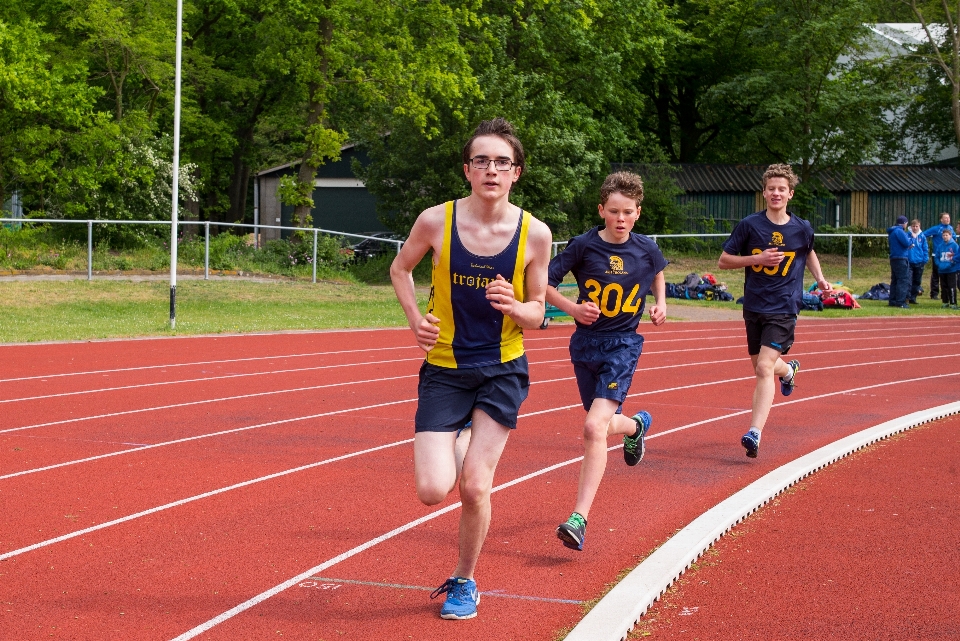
(918, 256)
(947, 255)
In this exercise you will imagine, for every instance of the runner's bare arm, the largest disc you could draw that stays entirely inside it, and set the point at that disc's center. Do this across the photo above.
(768, 258)
(813, 265)
(658, 313)
(584, 313)
(527, 313)
(426, 236)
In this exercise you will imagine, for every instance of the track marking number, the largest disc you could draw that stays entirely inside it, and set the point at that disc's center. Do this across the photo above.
(320, 586)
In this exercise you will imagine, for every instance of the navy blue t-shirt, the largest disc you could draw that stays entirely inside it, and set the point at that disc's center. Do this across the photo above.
(615, 277)
(772, 290)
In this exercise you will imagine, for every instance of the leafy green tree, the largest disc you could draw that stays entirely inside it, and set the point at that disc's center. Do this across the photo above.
(562, 73)
(934, 115)
(822, 99)
(357, 61)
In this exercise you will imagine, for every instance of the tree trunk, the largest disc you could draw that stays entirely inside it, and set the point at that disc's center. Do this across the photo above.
(308, 169)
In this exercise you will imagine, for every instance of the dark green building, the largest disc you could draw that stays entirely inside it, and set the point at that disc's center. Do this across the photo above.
(719, 196)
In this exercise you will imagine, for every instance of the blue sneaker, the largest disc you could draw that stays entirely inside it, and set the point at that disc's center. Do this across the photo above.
(573, 532)
(462, 598)
(634, 447)
(786, 387)
(751, 442)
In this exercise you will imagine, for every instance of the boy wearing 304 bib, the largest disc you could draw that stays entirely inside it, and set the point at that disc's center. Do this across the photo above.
(615, 269)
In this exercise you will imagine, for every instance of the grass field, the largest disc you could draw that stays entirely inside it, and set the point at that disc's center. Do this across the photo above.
(40, 310)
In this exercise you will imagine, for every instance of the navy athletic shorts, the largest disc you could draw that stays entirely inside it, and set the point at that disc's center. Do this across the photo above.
(772, 330)
(448, 395)
(604, 363)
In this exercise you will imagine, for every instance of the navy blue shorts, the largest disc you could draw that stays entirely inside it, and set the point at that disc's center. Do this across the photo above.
(604, 363)
(449, 395)
(772, 330)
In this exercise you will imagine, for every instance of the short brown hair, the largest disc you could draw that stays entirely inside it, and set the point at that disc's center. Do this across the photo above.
(780, 170)
(501, 128)
(622, 182)
(914, 222)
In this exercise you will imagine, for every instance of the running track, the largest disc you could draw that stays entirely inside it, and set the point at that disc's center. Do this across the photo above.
(259, 486)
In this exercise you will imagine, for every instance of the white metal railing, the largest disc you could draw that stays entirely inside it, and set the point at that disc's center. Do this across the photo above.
(849, 237)
(206, 236)
(399, 243)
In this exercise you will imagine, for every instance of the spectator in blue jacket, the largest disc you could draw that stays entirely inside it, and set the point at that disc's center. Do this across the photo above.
(947, 256)
(919, 254)
(900, 244)
(934, 233)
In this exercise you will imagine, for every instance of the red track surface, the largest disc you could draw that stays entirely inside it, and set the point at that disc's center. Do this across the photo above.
(146, 457)
(866, 548)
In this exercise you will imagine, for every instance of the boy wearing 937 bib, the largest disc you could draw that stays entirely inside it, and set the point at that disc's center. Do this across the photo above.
(615, 270)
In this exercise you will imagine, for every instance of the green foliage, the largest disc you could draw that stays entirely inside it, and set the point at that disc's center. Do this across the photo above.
(862, 247)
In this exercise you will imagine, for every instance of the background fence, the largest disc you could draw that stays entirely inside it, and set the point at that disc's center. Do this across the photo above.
(864, 244)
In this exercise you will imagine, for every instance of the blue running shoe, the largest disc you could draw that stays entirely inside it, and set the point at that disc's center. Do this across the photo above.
(751, 442)
(634, 446)
(573, 532)
(786, 387)
(462, 598)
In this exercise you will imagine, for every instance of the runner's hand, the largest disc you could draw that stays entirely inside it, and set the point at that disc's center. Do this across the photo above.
(658, 315)
(501, 296)
(427, 331)
(586, 313)
(824, 285)
(771, 257)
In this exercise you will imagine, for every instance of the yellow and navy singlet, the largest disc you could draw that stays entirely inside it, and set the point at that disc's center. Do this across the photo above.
(472, 332)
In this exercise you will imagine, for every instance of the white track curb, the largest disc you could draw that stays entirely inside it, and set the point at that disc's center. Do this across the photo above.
(617, 612)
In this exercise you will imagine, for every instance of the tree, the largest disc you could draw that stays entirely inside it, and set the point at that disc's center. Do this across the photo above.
(562, 73)
(821, 99)
(941, 56)
(357, 61)
(690, 106)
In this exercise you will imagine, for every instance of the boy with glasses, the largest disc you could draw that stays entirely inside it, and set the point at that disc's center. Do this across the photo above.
(489, 275)
(772, 247)
(615, 269)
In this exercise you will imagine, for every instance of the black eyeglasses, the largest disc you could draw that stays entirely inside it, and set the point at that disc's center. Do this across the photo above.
(482, 162)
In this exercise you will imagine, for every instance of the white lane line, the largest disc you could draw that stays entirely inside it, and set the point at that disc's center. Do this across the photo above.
(537, 413)
(621, 608)
(263, 596)
(819, 325)
(402, 360)
(202, 436)
(377, 380)
(208, 378)
(353, 454)
(198, 497)
(198, 363)
(209, 400)
(659, 333)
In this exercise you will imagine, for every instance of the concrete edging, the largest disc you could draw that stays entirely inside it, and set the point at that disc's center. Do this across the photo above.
(617, 612)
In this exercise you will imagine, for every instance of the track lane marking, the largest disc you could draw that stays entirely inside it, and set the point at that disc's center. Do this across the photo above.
(411, 400)
(422, 588)
(344, 365)
(823, 324)
(263, 596)
(432, 515)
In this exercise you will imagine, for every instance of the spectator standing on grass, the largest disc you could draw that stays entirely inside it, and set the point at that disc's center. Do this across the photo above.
(772, 247)
(615, 269)
(900, 244)
(489, 278)
(946, 253)
(919, 254)
(934, 233)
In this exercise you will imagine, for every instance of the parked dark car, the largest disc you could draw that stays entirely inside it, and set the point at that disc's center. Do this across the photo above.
(368, 248)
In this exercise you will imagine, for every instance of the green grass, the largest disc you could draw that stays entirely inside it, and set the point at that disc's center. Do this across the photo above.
(80, 310)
